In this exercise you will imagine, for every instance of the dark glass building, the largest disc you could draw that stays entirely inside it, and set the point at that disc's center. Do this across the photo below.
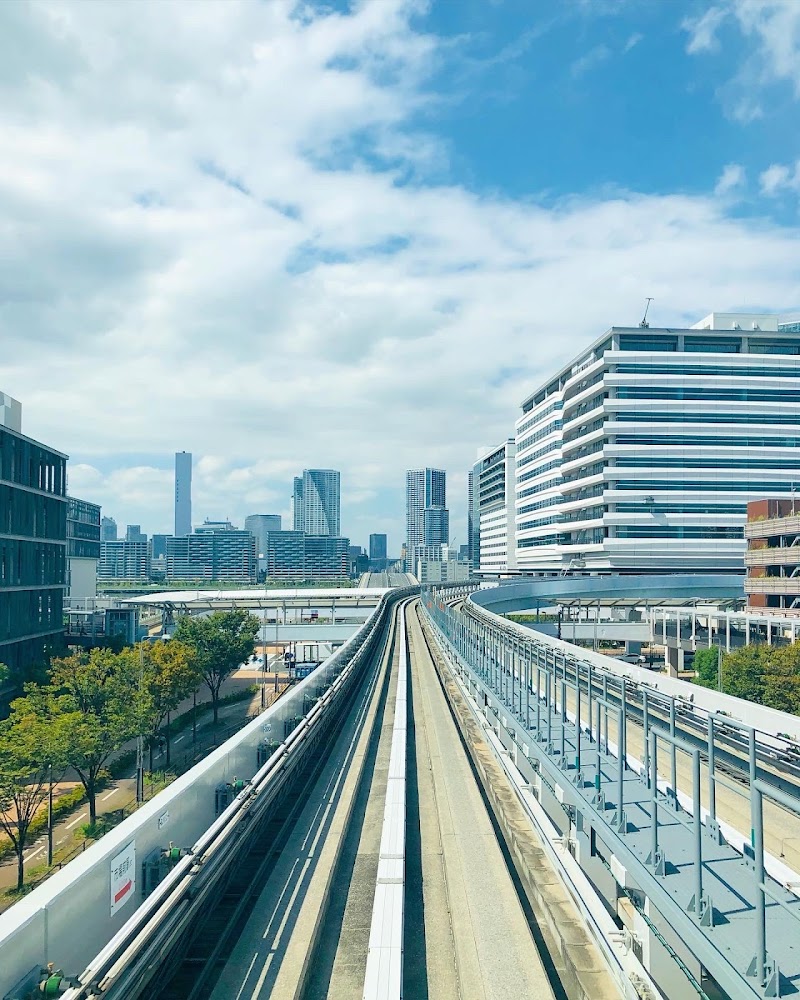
(33, 542)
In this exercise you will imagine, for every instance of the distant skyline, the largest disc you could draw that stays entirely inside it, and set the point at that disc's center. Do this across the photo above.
(356, 236)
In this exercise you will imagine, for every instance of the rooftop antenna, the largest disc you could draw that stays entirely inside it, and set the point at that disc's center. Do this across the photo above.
(644, 324)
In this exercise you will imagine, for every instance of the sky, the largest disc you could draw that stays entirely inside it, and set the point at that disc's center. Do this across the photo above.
(356, 235)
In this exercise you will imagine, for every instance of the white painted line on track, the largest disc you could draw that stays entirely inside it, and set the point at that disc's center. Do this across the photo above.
(33, 854)
(76, 820)
(178, 739)
(112, 792)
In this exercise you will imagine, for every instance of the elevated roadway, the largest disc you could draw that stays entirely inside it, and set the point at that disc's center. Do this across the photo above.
(455, 806)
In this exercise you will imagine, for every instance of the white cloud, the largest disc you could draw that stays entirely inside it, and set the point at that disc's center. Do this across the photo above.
(633, 41)
(732, 177)
(778, 178)
(209, 243)
(702, 30)
(591, 60)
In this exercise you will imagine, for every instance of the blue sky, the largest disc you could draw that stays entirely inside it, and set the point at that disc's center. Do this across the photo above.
(288, 235)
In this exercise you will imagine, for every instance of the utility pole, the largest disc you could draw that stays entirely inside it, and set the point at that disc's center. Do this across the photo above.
(139, 738)
(50, 816)
(264, 663)
(719, 667)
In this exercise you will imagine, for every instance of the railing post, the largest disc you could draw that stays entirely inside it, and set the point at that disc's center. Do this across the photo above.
(761, 903)
(562, 762)
(698, 835)
(538, 703)
(646, 739)
(578, 776)
(622, 735)
(712, 785)
(654, 800)
(752, 762)
(673, 754)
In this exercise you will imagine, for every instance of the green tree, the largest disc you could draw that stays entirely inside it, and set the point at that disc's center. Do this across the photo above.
(743, 672)
(31, 745)
(706, 666)
(221, 641)
(97, 696)
(170, 673)
(782, 679)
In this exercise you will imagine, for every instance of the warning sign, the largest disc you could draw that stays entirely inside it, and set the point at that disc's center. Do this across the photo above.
(123, 877)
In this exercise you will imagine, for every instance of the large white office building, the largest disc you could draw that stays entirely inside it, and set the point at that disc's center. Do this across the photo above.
(316, 500)
(493, 485)
(640, 454)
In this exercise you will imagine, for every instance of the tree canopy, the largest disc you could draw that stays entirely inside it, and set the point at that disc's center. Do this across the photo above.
(221, 641)
(765, 675)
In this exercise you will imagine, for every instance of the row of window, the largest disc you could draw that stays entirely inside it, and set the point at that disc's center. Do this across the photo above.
(554, 425)
(709, 462)
(677, 531)
(758, 489)
(540, 488)
(684, 417)
(540, 505)
(681, 440)
(701, 344)
(31, 515)
(28, 564)
(556, 405)
(703, 392)
(539, 453)
(539, 470)
(666, 369)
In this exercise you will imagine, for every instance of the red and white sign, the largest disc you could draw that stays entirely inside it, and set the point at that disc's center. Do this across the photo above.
(123, 877)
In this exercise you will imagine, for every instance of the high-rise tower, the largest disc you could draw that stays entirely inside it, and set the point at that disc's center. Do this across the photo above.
(427, 517)
(297, 504)
(321, 502)
(183, 493)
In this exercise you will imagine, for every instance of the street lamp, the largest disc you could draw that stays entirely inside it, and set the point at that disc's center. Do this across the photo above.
(264, 662)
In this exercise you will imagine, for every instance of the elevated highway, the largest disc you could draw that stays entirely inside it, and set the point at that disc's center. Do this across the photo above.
(451, 806)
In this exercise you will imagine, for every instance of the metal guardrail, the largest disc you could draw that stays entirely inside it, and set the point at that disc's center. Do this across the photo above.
(701, 886)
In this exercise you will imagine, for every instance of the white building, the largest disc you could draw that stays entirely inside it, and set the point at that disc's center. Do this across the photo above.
(320, 502)
(494, 479)
(641, 454)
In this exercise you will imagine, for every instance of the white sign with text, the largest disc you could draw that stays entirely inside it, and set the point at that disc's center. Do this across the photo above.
(123, 877)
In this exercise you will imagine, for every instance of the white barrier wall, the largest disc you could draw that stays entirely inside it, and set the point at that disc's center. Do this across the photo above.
(67, 919)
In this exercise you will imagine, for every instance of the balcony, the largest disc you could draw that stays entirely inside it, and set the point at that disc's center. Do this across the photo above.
(769, 527)
(772, 585)
(786, 556)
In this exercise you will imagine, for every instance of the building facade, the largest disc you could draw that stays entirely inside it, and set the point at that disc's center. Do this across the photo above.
(108, 529)
(286, 555)
(642, 453)
(327, 557)
(215, 551)
(33, 544)
(124, 560)
(297, 503)
(378, 550)
(321, 502)
(427, 517)
(260, 525)
(183, 493)
(494, 488)
(772, 558)
(83, 548)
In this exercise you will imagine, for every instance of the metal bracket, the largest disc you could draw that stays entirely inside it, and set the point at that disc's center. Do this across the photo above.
(621, 822)
(772, 976)
(706, 915)
(659, 863)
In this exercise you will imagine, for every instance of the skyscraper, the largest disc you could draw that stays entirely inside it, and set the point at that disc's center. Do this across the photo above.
(321, 502)
(297, 504)
(259, 525)
(377, 551)
(427, 517)
(183, 493)
(108, 529)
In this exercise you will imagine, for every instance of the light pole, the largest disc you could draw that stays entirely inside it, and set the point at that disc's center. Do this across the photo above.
(139, 741)
(264, 663)
(50, 816)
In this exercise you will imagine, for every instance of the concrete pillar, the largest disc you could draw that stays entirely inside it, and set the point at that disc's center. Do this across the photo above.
(674, 658)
